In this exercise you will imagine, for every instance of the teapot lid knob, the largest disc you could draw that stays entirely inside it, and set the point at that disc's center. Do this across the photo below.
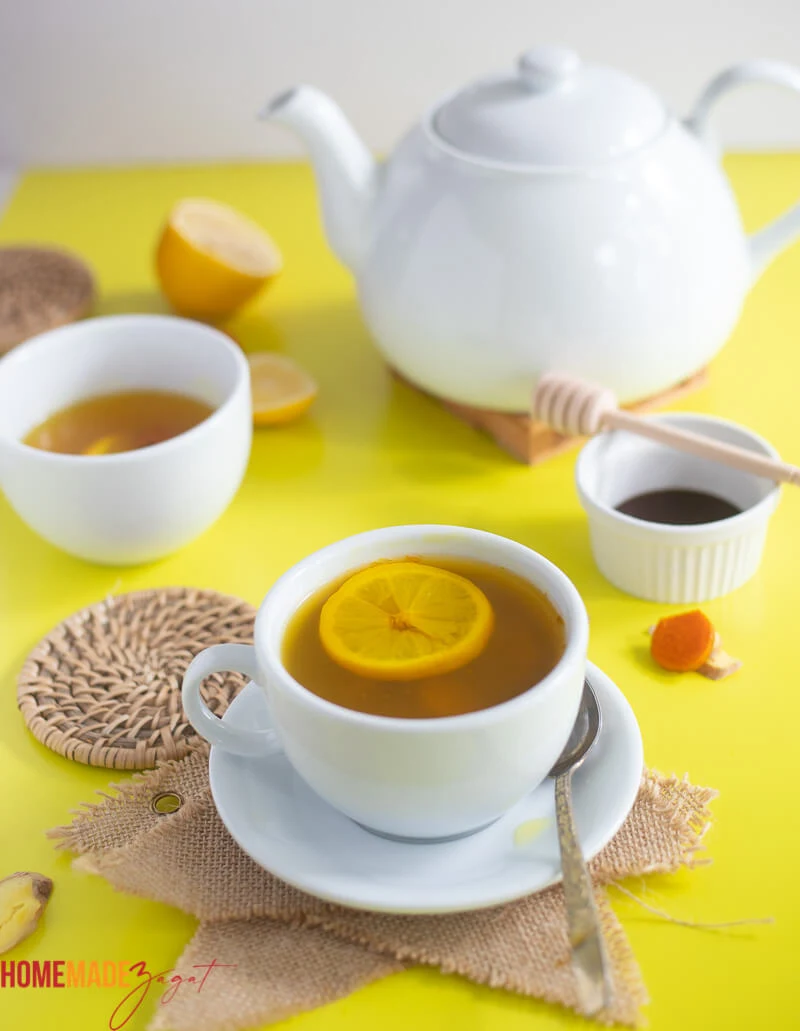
(551, 110)
(545, 67)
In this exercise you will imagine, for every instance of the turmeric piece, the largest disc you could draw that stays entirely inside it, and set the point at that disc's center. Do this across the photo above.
(684, 642)
(23, 897)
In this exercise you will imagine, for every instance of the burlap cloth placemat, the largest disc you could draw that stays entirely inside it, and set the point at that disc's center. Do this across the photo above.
(288, 952)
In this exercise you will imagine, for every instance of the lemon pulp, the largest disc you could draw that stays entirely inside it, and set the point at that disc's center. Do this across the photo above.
(400, 620)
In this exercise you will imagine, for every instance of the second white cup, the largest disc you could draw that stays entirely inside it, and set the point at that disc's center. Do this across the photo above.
(137, 505)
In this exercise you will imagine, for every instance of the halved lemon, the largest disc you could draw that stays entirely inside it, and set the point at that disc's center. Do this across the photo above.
(281, 390)
(210, 259)
(401, 620)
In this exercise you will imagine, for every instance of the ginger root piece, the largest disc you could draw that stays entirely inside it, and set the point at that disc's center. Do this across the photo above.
(23, 897)
(719, 664)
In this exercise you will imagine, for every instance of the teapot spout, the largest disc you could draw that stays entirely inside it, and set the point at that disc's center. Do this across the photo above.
(346, 171)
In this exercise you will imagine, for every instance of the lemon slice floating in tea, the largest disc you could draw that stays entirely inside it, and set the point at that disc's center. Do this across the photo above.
(404, 620)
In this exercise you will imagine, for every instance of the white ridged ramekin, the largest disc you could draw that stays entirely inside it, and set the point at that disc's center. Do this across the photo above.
(660, 562)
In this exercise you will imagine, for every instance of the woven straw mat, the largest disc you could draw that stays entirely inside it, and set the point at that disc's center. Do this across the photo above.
(104, 687)
(40, 288)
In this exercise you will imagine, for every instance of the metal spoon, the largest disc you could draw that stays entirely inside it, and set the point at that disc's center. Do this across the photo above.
(589, 959)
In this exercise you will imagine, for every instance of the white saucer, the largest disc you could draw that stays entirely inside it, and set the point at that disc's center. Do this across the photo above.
(287, 829)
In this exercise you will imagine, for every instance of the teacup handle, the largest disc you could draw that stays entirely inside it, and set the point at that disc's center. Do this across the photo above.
(222, 658)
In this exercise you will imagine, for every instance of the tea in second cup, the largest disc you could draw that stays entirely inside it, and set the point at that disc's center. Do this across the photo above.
(450, 751)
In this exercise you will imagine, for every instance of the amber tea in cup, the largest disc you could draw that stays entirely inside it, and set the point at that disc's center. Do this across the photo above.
(111, 423)
(527, 640)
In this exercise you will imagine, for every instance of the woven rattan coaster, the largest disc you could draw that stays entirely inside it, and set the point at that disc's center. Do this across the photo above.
(40, 288)
(104, 687)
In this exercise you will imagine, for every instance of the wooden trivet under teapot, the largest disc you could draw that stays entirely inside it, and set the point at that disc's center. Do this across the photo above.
(532, 440)
(104, 687)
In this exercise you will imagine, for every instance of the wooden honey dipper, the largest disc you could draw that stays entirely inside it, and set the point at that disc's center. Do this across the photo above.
(572, 406)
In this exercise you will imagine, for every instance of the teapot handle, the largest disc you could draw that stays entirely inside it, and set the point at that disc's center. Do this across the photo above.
(769, 241)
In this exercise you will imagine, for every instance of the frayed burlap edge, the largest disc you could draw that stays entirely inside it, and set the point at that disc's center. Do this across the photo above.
(100, 833)
(99, 826)
(266, 983)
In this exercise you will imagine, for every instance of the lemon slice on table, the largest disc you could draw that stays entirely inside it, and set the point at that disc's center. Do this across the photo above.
(210, 259)
(401, 620)
(281, 390)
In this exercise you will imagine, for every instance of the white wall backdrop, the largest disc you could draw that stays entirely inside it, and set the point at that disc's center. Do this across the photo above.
(109, 81)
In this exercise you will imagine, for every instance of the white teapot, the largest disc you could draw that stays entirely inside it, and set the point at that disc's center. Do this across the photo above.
(558, 217)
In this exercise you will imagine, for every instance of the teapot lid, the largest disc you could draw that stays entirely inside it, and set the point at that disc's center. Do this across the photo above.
(554, 111)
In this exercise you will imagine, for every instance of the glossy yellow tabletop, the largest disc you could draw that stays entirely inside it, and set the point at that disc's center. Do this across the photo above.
(373, 453)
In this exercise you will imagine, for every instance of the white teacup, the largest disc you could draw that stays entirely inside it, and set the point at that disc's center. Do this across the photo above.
(406, 778)
(137, 505)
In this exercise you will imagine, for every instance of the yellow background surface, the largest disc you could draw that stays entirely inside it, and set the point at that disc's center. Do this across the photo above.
(374, 453)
